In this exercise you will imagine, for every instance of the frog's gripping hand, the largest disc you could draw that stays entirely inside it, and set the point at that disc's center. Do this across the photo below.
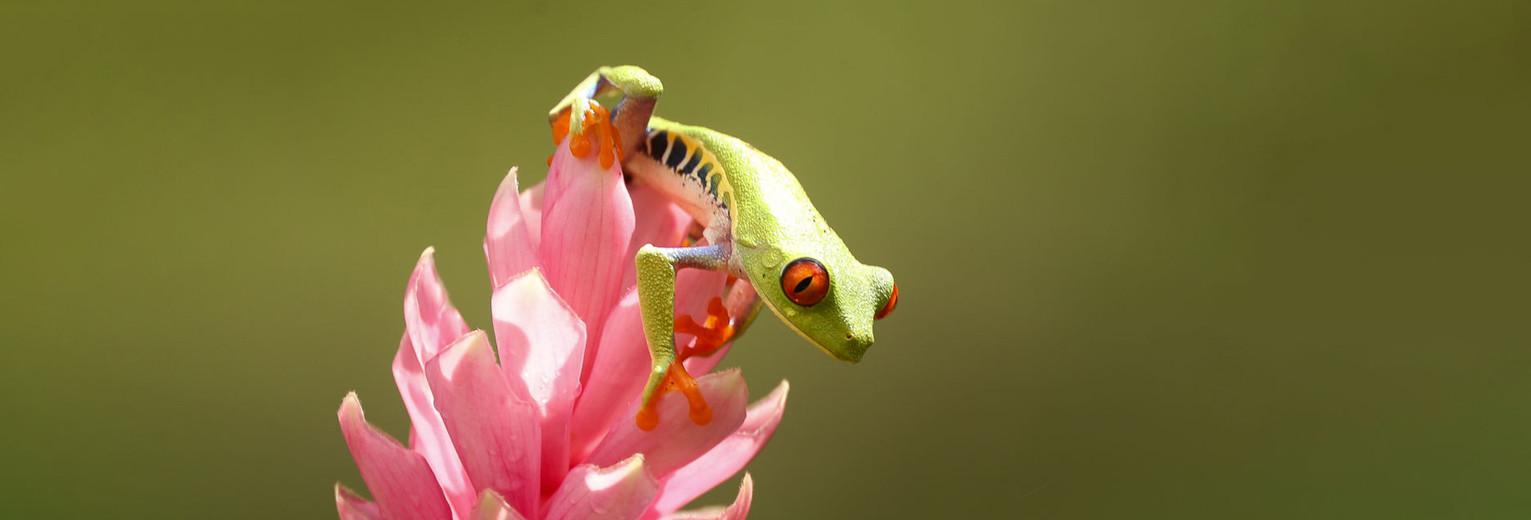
(656, 297)
(639, 90)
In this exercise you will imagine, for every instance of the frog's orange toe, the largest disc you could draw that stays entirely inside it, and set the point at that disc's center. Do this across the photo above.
(648, 418)
(561, 127)
(595, 133)
(701, 415)
(676, 378)
(715, 330)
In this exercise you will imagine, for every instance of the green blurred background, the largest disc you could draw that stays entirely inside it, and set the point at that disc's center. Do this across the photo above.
(1182, 259)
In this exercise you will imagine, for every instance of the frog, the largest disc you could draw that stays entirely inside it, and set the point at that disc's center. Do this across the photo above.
(757, 224)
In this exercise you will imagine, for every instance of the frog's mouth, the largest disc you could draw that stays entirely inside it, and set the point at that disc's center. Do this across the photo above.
(814, 342)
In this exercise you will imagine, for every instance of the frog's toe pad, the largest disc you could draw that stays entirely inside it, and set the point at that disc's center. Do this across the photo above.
(589, 124)
(648, 418)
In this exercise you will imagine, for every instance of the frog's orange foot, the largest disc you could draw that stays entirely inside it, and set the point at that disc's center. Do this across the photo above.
(676, 378)
(591, 130)
(712, 333)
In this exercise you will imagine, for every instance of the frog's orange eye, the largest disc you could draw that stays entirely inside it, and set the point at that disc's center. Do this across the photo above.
(805, 281)
(888, 307)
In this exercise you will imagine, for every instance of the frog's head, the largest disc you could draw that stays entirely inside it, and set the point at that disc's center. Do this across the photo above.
(829, 298)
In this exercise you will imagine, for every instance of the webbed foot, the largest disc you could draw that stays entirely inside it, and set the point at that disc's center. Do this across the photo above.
(675, 378)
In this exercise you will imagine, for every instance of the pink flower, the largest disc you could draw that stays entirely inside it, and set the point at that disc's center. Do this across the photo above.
(549, 430)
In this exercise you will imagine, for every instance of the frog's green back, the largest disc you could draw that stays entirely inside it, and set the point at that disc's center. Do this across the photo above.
(765, 201)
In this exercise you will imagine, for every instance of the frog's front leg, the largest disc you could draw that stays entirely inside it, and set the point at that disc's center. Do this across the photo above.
(640, 91)
(656, 298)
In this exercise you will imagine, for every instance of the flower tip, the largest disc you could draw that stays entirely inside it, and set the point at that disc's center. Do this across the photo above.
(739, 510)
(631, 467)
(776, 402)
(352, 506)
(475, 338)
(426, 265)
(741, 506)
(352, 419)
(472, 347)
(492, 506)
(780, 393)
(344, 495)
(350, 407)
(509, 182)
(509, 187)
(730, 378)
(400, 479)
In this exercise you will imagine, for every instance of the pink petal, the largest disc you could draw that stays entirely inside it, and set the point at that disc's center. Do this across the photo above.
(428, 436)
(615, 379)
(508, 244)
(703, 365)
(432, 323)
(725, 459)
(542, 346)
(620, 491)
(738, 511)
(353, 507)
(587, 224)
(400, 479)
(495, 434)
(429, 316)
(531, 210)
(658, 222)
(676, 441)
(739, 302)
(491, 506)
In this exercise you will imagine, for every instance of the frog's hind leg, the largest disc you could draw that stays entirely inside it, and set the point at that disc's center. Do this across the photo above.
(656, 298)
(640, 91)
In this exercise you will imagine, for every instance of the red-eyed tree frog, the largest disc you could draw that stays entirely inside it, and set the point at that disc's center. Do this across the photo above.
(757, 225)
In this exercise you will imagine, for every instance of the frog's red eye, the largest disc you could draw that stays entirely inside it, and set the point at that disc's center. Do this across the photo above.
(888, 307)
(805, 281)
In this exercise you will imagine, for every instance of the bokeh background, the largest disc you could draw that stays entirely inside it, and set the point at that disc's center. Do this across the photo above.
(1184, 259)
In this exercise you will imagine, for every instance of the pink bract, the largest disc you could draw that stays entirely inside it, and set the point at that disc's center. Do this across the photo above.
(547, 432)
